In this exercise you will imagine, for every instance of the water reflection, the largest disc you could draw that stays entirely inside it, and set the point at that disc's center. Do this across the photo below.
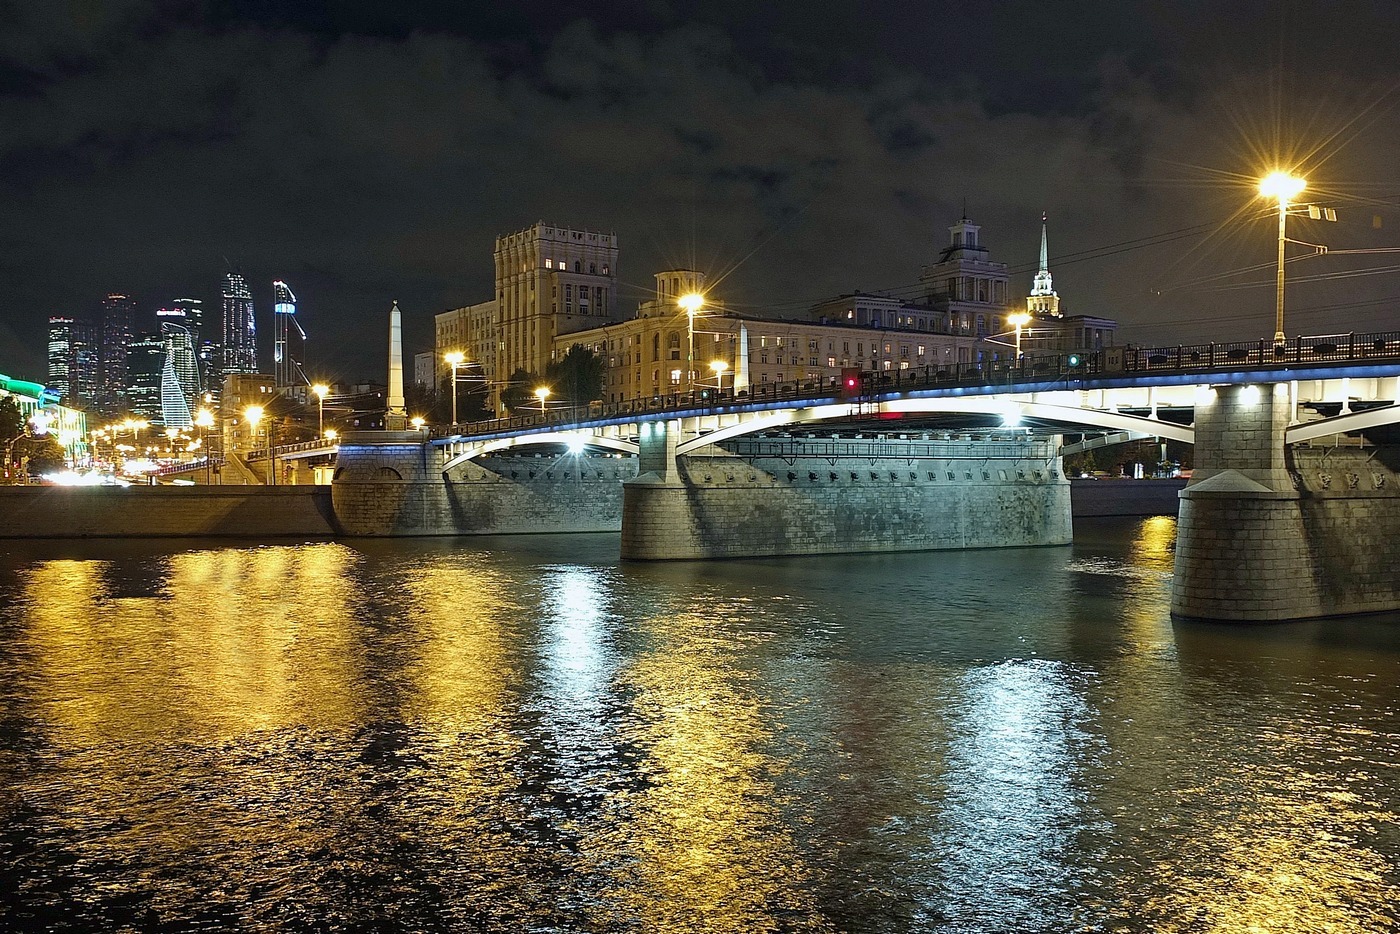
(529, 735)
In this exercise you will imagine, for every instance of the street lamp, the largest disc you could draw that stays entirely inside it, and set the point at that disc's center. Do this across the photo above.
(254, 414)
(1284, 188)
(542, 393)
(1018, 320)
(454, 360)
(331, 435)
(690, 303)
(320, 389)
(719, 366)
(417, 422)
(204, 419)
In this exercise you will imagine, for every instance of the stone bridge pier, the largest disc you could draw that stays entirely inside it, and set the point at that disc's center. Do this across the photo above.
(1268, 531)
(809, 496)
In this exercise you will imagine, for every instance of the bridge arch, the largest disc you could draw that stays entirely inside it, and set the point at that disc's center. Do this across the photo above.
(471, 451)
(1011, 410)
(1355, 421)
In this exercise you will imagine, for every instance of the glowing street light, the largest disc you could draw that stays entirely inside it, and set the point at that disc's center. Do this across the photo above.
(1018, 320)
(542, 393)
(719, 366)
(690, 303)
(417, 422)
(331, 435)
(204, 420)
(254, 414)
(1282, 187)
(321, 390)
(454, 360)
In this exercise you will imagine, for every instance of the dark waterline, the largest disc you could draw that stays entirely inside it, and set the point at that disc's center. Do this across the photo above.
(525, 734)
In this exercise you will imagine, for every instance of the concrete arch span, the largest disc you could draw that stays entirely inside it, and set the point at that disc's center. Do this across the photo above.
(1356, 421)
(580, 438)
(1011, 411)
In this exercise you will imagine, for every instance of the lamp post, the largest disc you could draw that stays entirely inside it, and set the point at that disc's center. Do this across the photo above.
(1283, 187)
(254, 414)
(320, 389)
(454, 360)
(204, 420)
(542, 393)
(417, 422)
(1018, 320)
(719, 366)
(690, 303)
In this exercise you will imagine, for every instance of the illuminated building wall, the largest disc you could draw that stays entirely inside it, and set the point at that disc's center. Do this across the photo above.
(69, 425)
(550, 281)
(240, 350)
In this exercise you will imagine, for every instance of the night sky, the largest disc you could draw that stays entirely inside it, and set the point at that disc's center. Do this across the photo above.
(372, 151)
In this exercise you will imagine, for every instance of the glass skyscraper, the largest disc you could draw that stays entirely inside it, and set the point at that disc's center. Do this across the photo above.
(240, 330)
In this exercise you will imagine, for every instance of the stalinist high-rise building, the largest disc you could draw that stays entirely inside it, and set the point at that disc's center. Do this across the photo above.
(1043, 302)
(550, 280)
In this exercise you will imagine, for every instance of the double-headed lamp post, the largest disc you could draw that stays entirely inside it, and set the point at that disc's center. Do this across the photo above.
(1283, 187)
(690, 303)
(454, 360)
(321, 390)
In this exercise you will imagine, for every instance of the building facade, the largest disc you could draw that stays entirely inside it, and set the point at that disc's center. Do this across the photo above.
(958, 318)
(550, 281)
(240, 331)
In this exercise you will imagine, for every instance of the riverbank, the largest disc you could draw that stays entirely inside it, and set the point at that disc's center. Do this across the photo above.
(166, 511)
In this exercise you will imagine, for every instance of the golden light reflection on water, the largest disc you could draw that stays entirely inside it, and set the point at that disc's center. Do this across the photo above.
(219, 647)
(708, 847)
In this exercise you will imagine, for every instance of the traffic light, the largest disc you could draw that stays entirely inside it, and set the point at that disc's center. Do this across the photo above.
(1074, 360)
(850, 382)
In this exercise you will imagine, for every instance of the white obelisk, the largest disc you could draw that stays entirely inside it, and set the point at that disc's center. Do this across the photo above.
(396, 415)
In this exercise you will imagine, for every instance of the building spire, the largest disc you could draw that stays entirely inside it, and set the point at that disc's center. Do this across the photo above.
(1042, 284)
(1044, 248)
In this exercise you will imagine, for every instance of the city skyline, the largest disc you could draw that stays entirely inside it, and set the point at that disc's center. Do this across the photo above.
(791, 162)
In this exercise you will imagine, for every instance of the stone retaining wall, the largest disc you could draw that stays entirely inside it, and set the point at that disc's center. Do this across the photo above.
(165, 511)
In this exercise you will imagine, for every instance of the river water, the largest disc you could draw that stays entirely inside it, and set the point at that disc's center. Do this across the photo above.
(524, 734)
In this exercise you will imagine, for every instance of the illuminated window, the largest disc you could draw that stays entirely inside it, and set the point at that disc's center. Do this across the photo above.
(831, 361)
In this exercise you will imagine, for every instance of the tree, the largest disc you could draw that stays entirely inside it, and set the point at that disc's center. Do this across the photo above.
(11, 430)
(577, 377)
(519, 389)
(44, 453)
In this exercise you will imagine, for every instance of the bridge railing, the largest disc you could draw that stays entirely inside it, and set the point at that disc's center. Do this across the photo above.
(1038, 369)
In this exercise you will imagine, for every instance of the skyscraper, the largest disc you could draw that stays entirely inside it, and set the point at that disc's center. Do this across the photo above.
(118, 309)
(74, 360)
(180, 384)
(289, 340)
(145, 363)
(240, 330)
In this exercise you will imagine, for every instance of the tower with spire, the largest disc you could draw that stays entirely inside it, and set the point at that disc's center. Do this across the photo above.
(1043, 302)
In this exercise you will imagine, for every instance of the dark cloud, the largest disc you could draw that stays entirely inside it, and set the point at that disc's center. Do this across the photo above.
(370, 152)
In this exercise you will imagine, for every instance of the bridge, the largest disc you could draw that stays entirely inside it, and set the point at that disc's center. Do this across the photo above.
(1294, 499)
(1338, 384)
